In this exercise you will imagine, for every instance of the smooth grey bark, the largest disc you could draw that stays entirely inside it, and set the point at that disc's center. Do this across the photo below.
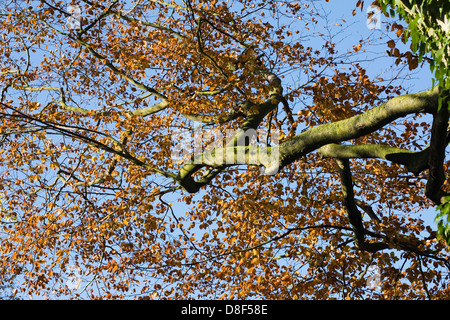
(323, 138)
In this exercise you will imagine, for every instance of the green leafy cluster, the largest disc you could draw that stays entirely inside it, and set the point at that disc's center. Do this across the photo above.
(429, 31)
(443, 220)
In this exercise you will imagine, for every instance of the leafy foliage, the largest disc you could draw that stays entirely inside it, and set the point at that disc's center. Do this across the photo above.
(442, 220)
(95, 205)
(429, 30)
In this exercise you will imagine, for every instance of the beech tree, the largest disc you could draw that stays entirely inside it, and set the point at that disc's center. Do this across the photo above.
(214, 149)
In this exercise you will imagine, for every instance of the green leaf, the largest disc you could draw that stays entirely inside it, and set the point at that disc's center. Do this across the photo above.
(443, 220)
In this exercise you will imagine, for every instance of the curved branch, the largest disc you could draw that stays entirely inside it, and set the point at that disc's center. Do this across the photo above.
(359, 125)
(353, 214)
(236, 151)
(322, 136)
(436, 156)
(415, 162)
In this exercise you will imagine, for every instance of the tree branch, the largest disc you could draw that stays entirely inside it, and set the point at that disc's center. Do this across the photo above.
(436, 155)
(324, 135)
(359, 125)
(353, 214)
(232, 153)
(415, 162)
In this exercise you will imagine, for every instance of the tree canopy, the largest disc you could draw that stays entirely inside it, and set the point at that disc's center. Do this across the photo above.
(218, 149)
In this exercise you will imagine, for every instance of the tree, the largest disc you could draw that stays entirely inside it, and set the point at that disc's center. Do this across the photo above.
(198, 149)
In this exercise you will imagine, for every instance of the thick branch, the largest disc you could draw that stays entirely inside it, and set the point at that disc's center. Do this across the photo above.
(436, 156)
(321, 136)
(415, 162)
(235, 152)
(353, 214)
(219, 158)
(399, 241)
(359, 125)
